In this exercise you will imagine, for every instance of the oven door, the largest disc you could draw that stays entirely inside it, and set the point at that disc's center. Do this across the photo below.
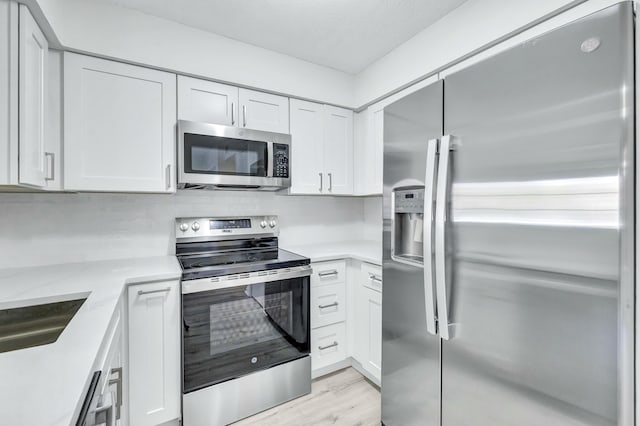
(215, 155)
(234, 330)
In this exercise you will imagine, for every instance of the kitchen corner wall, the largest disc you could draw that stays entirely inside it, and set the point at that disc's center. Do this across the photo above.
(38, 229)
(373, 219)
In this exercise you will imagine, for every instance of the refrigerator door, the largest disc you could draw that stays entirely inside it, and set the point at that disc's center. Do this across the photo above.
(410, 352)
(540, 231)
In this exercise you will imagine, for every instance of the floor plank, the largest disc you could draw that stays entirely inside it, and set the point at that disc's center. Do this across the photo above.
(343, 398)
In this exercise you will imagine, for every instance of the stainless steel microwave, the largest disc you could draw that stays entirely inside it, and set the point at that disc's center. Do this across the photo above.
(211, 156)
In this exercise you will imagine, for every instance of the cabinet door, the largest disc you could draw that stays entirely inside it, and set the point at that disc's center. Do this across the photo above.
(207, 102)
(154, 353)
(307, 147)
(119, 126)
(338, 150)
(373, 347)
(33, 53)
(264, 111)
(53, 141)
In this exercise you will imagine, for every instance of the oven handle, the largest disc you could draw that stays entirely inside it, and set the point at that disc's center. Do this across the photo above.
(239, 280)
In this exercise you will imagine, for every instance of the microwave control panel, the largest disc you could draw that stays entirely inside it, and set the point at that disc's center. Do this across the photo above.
(280, 160)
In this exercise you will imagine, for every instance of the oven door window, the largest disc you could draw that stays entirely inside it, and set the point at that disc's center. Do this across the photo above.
(235, 331)
(224, 156)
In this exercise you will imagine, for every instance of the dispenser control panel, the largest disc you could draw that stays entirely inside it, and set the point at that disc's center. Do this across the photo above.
(409, 200)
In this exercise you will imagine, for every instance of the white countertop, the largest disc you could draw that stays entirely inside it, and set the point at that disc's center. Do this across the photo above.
(366, 251)
(44, 385)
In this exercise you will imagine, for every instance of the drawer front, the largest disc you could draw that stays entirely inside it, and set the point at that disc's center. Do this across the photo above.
(371, 276)
(328, 272)
(328, 304)
(328, 345)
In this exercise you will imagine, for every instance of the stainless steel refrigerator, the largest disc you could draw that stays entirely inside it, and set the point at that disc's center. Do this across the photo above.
(509, 236)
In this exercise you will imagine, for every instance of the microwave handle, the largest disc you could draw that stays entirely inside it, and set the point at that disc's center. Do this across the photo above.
(270, 159)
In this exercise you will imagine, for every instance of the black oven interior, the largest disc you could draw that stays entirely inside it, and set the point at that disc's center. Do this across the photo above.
(231, 332)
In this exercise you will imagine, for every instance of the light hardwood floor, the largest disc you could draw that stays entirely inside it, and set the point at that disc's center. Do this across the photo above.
(343, 398)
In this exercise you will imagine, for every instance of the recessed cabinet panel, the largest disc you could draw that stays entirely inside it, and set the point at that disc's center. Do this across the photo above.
(207, 102)
(263, 111)
(374, 347)
(338, 150)
(154, 353)
(119, 126)
(330, 272)
(307, 147)
(328, 345)
(33, 97)
(328, 304)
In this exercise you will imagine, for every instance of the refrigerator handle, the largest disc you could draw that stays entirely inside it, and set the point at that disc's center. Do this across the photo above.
(442, 201)
(427, 235)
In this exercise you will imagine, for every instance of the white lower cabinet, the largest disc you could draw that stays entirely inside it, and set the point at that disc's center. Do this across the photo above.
(328, 304)
(154, 353)
(328, 316)
(368, 320)
(328, 345)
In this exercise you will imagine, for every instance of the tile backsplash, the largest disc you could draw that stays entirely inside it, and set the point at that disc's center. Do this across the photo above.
(38, 229)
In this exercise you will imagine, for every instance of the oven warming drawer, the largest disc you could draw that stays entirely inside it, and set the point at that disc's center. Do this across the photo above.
(236, 399)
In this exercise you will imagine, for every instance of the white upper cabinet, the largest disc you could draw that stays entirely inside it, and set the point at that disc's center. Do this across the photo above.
(369, 136)
(119, 126)
(307, 147)
(338, 150)
(207, 101)
(23, 75)
(322, 149)
(263, 111)
(33, 97)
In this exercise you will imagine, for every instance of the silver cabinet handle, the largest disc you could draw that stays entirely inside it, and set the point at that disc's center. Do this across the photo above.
(327, 273)
(442, 192)
(167, 176)
(104, 412)
(330, 182)
(427, 231)
(375, 278)
(330, 305)
(333, 345)
(50, 156)
(320, 189)
(233, 118)
(244, 116)
(160, 290)
(118, 383)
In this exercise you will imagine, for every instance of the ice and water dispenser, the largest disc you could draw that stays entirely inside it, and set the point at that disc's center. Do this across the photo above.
(408, 215)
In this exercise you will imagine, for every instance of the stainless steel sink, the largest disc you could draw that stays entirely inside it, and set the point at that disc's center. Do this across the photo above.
(35, 325)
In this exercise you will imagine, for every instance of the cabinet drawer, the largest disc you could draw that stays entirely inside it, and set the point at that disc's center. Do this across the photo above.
(328, 304)
(371, 276)
(328, 273)
(328, 345)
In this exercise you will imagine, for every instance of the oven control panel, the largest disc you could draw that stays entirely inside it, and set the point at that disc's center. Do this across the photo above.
(226, 227)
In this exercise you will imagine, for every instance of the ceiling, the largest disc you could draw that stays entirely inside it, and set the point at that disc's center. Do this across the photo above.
(346, 35)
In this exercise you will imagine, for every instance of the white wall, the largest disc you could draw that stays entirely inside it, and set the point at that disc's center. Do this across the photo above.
(39, 229)
(108, 30)
(372, 229)
(471, 26)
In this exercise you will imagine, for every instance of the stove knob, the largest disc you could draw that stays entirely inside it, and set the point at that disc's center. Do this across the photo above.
(263, 224)
(184, 227)
(195, 226)
(272, 224)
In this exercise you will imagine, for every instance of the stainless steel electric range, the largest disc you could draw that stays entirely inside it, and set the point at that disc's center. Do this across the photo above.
(245, 312)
